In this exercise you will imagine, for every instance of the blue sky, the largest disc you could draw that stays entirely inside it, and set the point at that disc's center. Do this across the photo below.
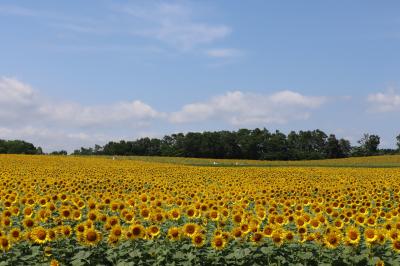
(76, 73)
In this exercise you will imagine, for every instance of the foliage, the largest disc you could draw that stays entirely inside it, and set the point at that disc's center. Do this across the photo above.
(257, 144)
(18, 147)
(368, 145)
(61, 152)
(398, 142)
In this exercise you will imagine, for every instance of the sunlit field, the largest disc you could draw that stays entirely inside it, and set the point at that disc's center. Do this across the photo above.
(386, 161)
(103, 211)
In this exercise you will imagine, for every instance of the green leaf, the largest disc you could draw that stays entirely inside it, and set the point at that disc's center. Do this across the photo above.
(135, 254)
(82, 255)
(179, 255)
(267, 250)
(77, 262)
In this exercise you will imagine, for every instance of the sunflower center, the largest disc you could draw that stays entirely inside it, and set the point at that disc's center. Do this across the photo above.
(91, 236)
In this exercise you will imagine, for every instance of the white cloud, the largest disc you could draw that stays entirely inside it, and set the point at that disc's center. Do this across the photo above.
(223, 53)
(387, 101)
(29, 116)
(135, 113)
(173, 24)
(15, 92)
(25, 114)
(20, 101)
(176, 24)
(17, 11)
(240, 109)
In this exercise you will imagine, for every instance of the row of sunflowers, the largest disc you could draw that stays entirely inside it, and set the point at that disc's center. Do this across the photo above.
(97, 211)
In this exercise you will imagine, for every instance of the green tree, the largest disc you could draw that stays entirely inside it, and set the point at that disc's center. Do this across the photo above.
(369, 144)
(398, 142)
(333, 149)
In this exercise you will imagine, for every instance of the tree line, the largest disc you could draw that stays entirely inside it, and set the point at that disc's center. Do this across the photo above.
(257, 144)
(18, 147)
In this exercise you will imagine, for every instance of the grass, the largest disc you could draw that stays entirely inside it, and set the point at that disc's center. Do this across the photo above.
(385, 161)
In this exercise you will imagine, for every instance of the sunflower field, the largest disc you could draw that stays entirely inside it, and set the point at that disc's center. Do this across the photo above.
(59, 210)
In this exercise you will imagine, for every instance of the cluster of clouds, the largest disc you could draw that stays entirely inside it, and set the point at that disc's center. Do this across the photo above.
(240, 109)
(383, 102)
(29, 115)
(173, 24)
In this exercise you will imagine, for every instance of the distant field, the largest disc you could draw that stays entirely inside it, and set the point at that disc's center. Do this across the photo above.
(372, 161)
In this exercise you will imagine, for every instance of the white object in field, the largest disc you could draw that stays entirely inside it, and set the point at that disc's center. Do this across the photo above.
(215, 163)
(113, 157)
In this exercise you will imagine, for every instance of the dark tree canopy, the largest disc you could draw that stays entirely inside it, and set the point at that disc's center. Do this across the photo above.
(369, 145)
(257, 144)
(18, 147)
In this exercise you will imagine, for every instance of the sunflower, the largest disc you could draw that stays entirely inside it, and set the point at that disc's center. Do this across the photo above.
(76, 215)
(80, 229)
(396, 245)
(145, 213)
(129, 217)
(153, 231)
(5, 243)
(190, 229)
(360, 219)
(136, 231)
(338, 223)
(277, 237)
(116, 231)
(65, 231)
(237, 232)
(47, 251)
(280, 220)
(174, 233)
(44, 215)
(214, 215)
(289, 236)
(191, 212)
(28, 211)
(113, 240)
(302, 230)
(381, 237)
(175, 214)
(314, 223)
(65, 213)
(39, 235)
(237, 218)
(28, 223)
(332, 239)
(51, 234)
(256, 237)
(93, 215)
(15, 234)
(393, 234)
(91, 237)
(158, 217)
(370, 235)
(112, 220)
(245, 228)
(198, 239)
(352, 236)
(300, 221)
(218, 243)
(261, 214)
(371, 221)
